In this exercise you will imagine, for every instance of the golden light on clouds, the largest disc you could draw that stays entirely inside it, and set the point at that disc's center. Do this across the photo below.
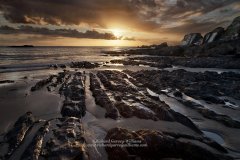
(117, 32)
(90, 42)
(110, 23)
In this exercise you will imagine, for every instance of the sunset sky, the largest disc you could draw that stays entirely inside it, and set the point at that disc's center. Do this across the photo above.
(110, 22)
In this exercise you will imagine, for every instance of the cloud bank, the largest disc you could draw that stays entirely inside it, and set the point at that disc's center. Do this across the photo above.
(56, 33)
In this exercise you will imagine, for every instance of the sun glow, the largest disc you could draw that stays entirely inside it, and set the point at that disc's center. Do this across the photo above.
(117, 32)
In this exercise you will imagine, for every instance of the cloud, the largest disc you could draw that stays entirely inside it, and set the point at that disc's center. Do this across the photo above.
(97, 13)
(193, 27)
(128, 38)
(62, 11)
(56, 33)
(176, 16)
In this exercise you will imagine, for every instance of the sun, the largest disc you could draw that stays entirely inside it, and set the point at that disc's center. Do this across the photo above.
(117, 32)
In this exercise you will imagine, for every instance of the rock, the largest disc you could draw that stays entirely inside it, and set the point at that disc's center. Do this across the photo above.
(6, 81)
(162, 45)
(206, 86)
(213, 35)
(212, 99)
(60, 138)
(62, 66)
(55, 66)
(15, 136)
(112, 113)
(124, 109)
(33, 151)
(185, 121)
(135, 104)
(224, 119)
(117, 98)
(42, 83)
(196, 85)
(102, 99)
(71, 109)
(84, 64)
(74, 89)
(178, 94)
(233, 31)
(192, 39)
(156, 145)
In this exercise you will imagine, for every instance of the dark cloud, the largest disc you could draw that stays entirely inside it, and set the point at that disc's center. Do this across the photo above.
(75, 12)
(62, 11)
(175, 11)
(56, 33)
(97, 11)
(180, 16)
(194, 27)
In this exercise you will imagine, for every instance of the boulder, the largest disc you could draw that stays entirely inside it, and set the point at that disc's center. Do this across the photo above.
(192, 39)
(213, 35)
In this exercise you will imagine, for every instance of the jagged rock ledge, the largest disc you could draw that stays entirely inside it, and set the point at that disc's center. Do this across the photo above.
(158, 145)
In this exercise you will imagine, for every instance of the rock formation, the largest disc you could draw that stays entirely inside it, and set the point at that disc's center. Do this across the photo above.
(213, 35)
(219, 34)
(233, 31)
(157, 145)
(192, 39)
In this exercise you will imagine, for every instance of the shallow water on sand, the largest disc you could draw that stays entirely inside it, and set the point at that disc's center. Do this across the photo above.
(218, 70)
(17, 100)
(214, 136)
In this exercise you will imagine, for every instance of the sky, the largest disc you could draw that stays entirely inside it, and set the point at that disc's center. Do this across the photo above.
(110, 22)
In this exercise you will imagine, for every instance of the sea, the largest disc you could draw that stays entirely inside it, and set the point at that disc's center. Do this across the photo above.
(29, 58)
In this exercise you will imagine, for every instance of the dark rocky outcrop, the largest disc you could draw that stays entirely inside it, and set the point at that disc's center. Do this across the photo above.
(209, 114)
(67, 140)
(213, 35)
(207, 86)
(192, 39)
(42, 83)
(102, 98)
(84, 64)
(133, 103)
(15, 136)
(74, 92)
(233, 31)
(72, 87)
(73, 109)
(224, 119)
(60, 138)
(158, 145)
(6, 81)
(57, 138)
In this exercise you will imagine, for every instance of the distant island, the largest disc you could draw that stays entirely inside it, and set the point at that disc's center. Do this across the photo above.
(23, 46)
